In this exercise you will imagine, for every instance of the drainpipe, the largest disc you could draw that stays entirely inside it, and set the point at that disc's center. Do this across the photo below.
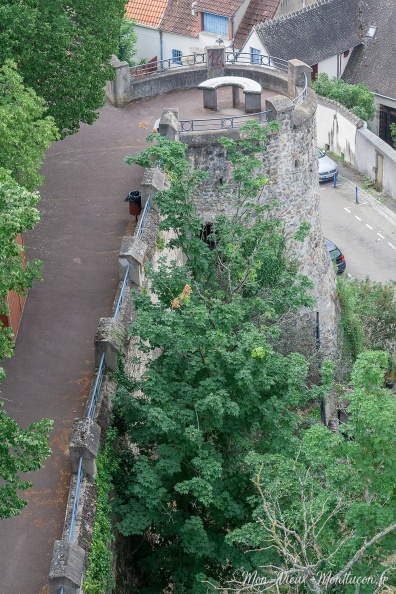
(161, 47)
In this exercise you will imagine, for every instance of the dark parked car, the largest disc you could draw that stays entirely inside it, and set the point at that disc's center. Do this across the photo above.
(327, 167)
(336, 256)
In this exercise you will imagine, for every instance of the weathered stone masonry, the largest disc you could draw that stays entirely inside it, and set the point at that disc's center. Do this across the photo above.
(290, 163)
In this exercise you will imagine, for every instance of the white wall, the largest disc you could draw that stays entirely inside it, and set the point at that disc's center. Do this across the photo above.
(368, 145)
(188, 45)
(240, 14)
(329, 66)
(336, 132)
(148, 43)
(358, 145)
(253, 41)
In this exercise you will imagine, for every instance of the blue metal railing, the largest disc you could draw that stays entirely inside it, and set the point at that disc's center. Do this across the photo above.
(143, 218)
(76, 500)
(256, 60)
(121, 296)
(303, 95)
(158, 66)
(223, 123)
(99, 379)
(97, 387)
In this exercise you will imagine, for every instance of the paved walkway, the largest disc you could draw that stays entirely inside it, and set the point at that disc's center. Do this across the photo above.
(83, 220)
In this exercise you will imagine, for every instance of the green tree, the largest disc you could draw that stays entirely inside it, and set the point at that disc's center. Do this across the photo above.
(21, 451)
(215, 388)
(127, 41)
(25, 133)
(17, 215)
(368, 318)
(325, 521)
(357, 98)
(63, 52)
(392, 127)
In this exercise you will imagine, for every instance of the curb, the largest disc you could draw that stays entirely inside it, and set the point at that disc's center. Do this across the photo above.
(386, 212)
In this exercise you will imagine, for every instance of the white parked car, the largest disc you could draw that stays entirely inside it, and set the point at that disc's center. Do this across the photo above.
(327, 167)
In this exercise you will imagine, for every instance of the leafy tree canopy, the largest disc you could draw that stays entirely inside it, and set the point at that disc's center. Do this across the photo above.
(25, 133)
(357, 98)
(330, 512)
(21, 451)
(17, 215)
(215, 388)
(127, 41)
(63, 51)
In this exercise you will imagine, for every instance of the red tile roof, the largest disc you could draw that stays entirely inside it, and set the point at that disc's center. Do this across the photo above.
(179, 18)
(146, 12)
(258, 11)
(225, 8)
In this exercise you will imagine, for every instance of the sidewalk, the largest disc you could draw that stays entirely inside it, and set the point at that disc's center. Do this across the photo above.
(84, 218)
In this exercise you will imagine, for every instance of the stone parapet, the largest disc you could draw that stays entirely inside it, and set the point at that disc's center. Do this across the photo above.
(108, 340)
(84, 443)
(66, 568)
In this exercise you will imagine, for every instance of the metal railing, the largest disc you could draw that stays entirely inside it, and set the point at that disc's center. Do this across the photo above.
(303, 95)
(256, 60)
(143, 218)
(225, 123)
(99, 380)
(97, 387)
(76, 500)
(155, 67)
(121, 296)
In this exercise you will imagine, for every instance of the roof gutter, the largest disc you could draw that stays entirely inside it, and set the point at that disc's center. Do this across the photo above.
(384, 96)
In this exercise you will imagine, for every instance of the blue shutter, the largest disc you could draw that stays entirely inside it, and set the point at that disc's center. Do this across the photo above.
(215, 24)
(177, 56)
(254, 55)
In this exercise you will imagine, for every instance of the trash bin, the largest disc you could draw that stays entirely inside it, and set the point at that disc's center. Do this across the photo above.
(135, 202)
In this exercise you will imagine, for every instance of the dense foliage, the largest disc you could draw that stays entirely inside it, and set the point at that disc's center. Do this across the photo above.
(368, 315)
(127, 42)
(326, 519)
(216, 387)
(99, 577)
(357, 98)
(63, 52)
(21, 451)
(25, 131)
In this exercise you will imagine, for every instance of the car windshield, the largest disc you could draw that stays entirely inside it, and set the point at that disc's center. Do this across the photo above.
(321, 153)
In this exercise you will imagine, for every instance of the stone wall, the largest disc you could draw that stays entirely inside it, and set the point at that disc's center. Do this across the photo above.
(290, 163)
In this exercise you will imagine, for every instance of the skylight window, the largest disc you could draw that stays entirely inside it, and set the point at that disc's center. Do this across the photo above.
(371, 31)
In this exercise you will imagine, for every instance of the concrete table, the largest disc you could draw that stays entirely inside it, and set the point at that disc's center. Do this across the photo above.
(251, 89)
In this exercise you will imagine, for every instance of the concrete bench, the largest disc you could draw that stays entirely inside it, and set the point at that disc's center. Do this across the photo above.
(251, 90)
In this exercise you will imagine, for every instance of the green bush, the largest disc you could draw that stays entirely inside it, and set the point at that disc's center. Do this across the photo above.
(357, 98)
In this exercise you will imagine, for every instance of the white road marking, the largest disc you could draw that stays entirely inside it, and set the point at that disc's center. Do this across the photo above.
(382, 237)
(347, 209)
(357, 218)
(350, 275)
(392, 246)
(367, 225)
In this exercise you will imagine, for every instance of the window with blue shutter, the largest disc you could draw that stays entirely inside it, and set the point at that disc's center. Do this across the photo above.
(215, 24)
(177, 56)
(254, 55)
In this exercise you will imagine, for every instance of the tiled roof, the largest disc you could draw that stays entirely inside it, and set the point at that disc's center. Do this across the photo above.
(373, 63)
(179, 19)
(314, 33)
(146, 12)
(225, 8)
(258, 11)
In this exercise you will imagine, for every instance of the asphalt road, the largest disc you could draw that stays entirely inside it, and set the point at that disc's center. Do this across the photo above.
(364, 232)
